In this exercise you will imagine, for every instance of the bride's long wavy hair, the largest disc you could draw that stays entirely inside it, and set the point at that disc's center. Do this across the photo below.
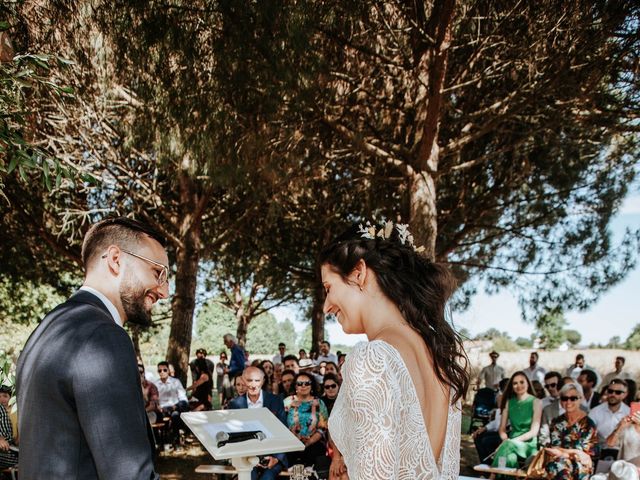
(420, 288)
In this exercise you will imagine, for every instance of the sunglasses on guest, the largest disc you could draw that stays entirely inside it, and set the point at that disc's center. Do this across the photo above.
(551, 385)
(330, 386)
(572, 398)
(163, 370)
(303, 384)
(611, 391)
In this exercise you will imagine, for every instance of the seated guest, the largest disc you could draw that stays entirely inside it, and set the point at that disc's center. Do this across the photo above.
(487, 438)
(341, 358)
(552, 385)
(268, 368)
(553, 409)
(200, 353)
(256, 397)
(5, 398)
(202, 387)
(574, 440)
(286, 382)
(291, 362)
(150, 396)
(522, 410)
(173, 398)
(588, 381)
(632, 391)
(626, 438)
(608, 415)
(307, 418)
(538, 389)
(8, 457)
(330, 387)
(302, 354)
(239, 386)
(332, 368)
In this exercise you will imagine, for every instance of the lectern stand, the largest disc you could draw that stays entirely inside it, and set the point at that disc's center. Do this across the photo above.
(244, 455)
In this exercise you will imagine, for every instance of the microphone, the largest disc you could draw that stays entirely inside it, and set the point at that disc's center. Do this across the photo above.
(222, 438)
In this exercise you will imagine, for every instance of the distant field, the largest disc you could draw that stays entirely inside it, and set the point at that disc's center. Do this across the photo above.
(600, 359)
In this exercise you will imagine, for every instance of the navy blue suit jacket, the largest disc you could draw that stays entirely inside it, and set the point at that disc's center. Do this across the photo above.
(275, 405)
(81, 408)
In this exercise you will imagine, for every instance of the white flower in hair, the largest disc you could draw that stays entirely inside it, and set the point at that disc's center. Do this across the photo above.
(370, 232)
(367, 231)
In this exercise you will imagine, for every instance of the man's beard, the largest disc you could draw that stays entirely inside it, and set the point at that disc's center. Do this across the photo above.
(132, 296)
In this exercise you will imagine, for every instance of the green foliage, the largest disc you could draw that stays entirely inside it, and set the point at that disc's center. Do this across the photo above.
(633, 340)
(505, 344)
(523, 342)
(574, 337)
(550, 326)
(22, 306)
(265, 332)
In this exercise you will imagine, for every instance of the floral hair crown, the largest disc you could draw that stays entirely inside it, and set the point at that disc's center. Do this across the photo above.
(371, 232)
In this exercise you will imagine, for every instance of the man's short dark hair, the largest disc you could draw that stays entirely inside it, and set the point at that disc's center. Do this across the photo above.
(536, 354)
(6, 389)
(290, 357)
(622, 359)
(163, 364)
(121, 231)
(281, 345)
(202, 351)
(549, 375)
(579, 357)
(325, 341)
(591, 376)
(619, 381)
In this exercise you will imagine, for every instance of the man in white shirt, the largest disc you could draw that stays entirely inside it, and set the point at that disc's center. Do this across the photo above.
(618, 372)
(325, 354)
(279, 358)
(270, 466)
(173, 398)
(608, 415)
(534, 371)
(491, 375)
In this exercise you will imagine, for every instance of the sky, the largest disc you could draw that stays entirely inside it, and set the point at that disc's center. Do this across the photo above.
(615, 314)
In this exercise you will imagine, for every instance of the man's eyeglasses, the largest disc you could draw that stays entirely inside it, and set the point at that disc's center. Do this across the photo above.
(163, 275)
(551, 385)
(160, 370)
(331, 386)
(572, 398)
(303, 384)
(611, 391)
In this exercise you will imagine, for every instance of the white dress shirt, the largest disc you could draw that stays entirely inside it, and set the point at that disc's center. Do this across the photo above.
(171, 392)
(331, 357)
(606, 421)
(107, 303)
(257, 404)
(536, 373)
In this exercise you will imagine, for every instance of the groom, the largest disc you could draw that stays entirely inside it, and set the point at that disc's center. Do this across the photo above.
(79, 394)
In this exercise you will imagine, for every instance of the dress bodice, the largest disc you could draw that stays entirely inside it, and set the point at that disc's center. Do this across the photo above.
(377, 421)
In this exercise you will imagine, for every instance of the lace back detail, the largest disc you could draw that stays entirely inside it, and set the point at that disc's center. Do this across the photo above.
(377, 422)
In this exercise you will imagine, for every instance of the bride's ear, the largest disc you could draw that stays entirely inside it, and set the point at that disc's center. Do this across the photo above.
(359, 274)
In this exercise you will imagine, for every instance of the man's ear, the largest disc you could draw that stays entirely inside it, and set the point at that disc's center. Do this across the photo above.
(114, 256)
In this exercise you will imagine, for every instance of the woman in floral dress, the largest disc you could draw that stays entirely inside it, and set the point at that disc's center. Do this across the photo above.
(574, 439)
(307, 418)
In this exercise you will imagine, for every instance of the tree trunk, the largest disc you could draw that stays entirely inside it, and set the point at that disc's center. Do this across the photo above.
(242, 318)
(424, 212)
(431, 70)
(187, 260)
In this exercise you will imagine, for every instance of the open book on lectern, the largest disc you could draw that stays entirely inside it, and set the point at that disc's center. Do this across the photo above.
(238, 425)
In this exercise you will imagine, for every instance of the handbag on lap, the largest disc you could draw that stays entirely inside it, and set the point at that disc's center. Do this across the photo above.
(537, 468)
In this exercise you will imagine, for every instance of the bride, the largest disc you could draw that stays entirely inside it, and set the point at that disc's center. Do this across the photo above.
(398, 412)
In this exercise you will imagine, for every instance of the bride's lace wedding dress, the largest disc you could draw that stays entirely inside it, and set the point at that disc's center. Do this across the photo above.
(377, 422)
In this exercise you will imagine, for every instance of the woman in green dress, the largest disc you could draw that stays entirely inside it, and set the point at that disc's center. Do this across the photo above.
(522, 410)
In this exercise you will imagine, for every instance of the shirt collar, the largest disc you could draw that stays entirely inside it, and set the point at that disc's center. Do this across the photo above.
(259, 402)
(107, 303)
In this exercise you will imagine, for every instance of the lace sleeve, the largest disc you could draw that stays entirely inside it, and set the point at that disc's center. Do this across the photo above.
(371, 415)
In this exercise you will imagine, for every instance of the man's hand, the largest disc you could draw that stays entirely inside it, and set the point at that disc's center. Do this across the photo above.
(478, 432)
(4, 445)
(273, 461)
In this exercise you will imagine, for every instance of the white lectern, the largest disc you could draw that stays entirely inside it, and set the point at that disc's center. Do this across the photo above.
(244, 455)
